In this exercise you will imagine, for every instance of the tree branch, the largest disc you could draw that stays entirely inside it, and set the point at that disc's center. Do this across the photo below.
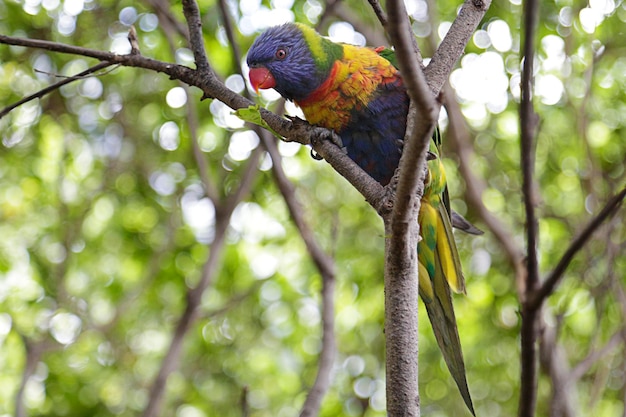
(459, 136)
(55, 86)
(380, 13)
(401, 227)
(326, 267)
(171, 360)
(453, 44)
(553, 358)
(323, 262)
(528, 122)
(196, 37)
(595, 355)
(553, 279)
(298, 130)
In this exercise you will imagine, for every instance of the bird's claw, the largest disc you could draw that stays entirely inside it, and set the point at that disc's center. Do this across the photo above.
(319, 134)
(315, 155)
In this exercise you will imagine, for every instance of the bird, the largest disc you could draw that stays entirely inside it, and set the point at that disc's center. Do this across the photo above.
(359, 93)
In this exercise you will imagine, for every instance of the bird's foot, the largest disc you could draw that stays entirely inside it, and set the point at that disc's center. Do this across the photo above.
(318, 134)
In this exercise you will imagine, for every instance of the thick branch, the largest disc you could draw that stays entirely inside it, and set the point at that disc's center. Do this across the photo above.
(401, 285)
(528, 122)
(402, 229)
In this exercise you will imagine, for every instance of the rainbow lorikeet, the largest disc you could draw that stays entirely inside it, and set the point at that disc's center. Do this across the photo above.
(359, 94)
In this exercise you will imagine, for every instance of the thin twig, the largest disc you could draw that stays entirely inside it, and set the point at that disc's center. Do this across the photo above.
(55, 86)
(594, 356)
(234, 301)
(230, 34)
(380, 13)
(167, 18)
(196, 38)
(453, 44)
(555, 276)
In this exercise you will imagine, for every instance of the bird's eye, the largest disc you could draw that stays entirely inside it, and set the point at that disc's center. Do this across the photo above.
(281, 54)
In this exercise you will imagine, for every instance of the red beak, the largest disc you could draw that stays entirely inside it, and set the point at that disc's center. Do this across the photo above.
(261, 77)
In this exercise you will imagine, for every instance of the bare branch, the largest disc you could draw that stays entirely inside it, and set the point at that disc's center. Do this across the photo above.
(553, 358)
(194, 296)
(528, 121)
(167, 18)
(401, 287)
(315, 396)
(298, 130)
(245, 406)
(230, 34)
(595, 355)
(203, 170)
(380, 13)
(454, 43)
(553, 279)
(459, 137)
(196, 38)
(402, 229)
(34, 350)
(55, 86)
(326, 267)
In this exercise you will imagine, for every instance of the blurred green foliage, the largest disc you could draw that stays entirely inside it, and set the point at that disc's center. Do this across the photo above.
(104, 225)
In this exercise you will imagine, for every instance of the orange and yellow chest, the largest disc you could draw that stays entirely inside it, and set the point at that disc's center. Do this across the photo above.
(353, 82)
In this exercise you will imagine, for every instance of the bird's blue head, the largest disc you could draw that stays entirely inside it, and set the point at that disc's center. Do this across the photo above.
(293, 59)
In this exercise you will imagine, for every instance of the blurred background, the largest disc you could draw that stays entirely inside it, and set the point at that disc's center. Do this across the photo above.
(108, 218)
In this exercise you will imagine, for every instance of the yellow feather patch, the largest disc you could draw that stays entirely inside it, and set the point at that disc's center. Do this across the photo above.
(445, 252)
(313, 40)
(425, 286)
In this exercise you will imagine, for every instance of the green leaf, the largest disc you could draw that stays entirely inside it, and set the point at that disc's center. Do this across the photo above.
(252, 114)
